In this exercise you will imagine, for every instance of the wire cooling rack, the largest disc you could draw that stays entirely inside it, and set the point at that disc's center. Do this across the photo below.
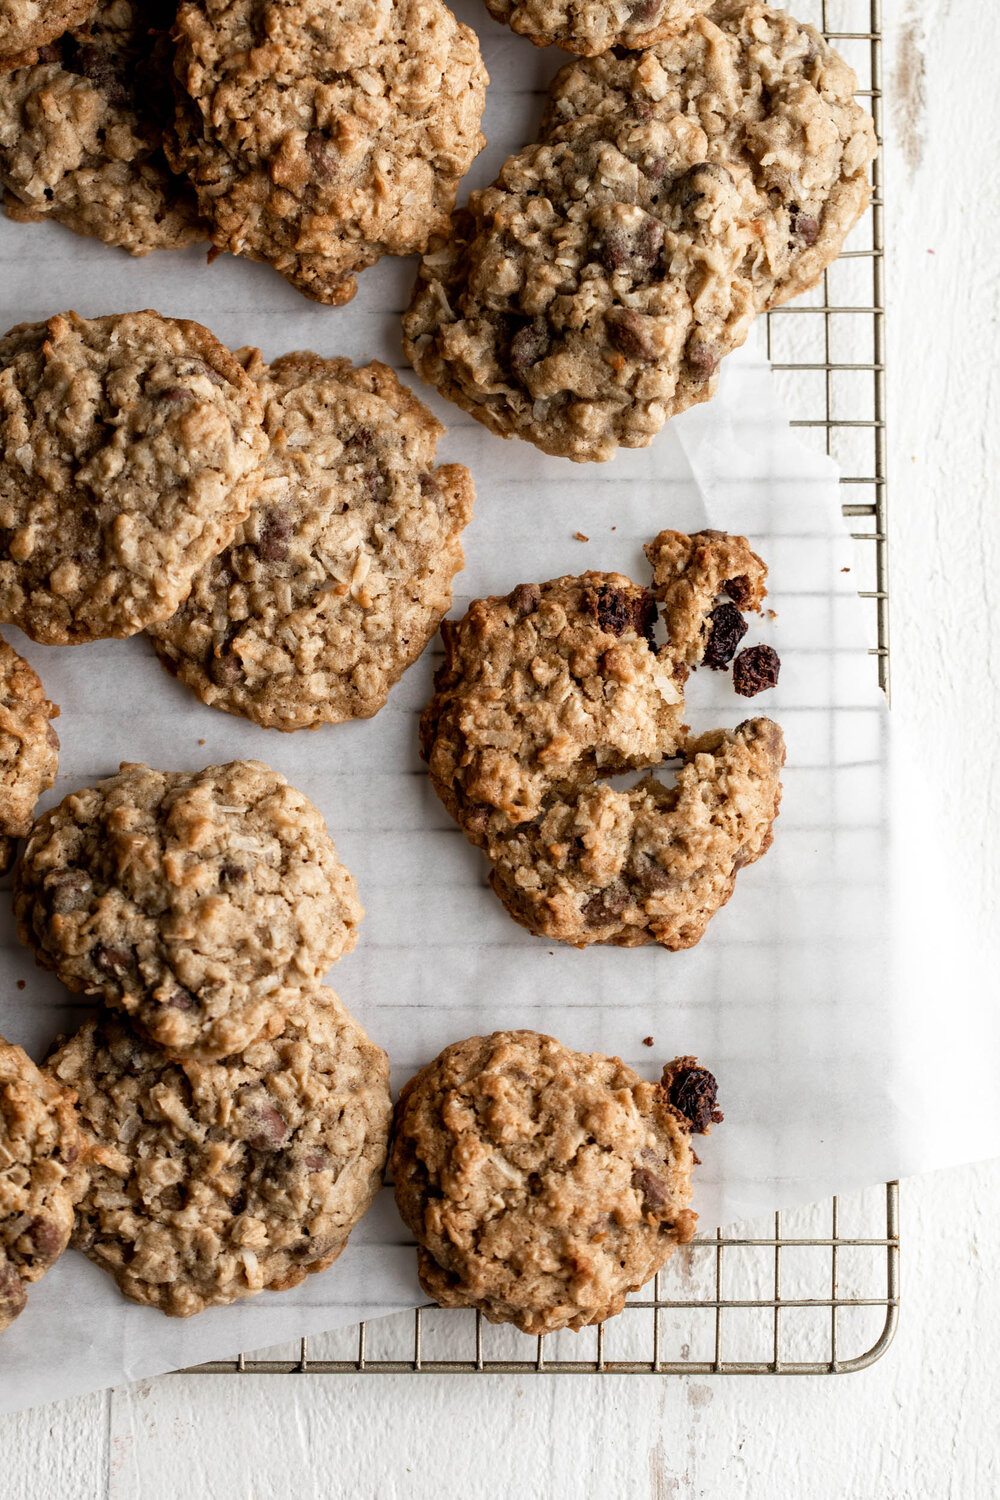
(809, 1292)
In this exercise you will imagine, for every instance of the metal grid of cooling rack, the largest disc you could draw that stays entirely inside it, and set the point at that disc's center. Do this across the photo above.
(812, 1292)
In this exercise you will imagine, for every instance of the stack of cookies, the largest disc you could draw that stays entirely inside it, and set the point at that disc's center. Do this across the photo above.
(232, 1119)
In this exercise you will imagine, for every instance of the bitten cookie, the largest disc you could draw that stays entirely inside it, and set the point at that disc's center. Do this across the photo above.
(81, 133)
(26, 25)
(588, 27)
(592, 291)
(341, 574)
(216, 1181)
(652, 864)
(321, 137)
(560, 684)
(201, 903)
(129, 449)
(544, 1185)
(42, 1175)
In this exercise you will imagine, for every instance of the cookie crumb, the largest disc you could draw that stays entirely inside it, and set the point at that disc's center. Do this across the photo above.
(845, 570)
(647, 1041)
(201, 742)
(21, 983)
(579, 536)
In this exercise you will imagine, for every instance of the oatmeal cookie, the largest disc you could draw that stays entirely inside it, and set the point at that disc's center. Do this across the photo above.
(29, 749)
(773, 98)
(81, 133)
(213, 1181)
(592, 291)
(556, 684)
(42, 1175)
(321, 137)
(546, 691)
(544, 1185)
(199, 902)
(26, 25)
(588, 27)
(129, 451)
(341, 574)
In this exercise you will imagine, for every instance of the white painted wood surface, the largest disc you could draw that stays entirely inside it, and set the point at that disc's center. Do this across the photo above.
(919, 1425)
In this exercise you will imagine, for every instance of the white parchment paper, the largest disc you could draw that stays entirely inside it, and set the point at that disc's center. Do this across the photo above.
(839, 997)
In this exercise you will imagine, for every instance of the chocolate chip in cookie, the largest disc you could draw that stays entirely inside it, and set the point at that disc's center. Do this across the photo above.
(727, 628)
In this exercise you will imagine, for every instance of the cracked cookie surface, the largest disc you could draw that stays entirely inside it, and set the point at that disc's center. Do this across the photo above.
(546, 691)
(213, 1181)
(593, 290)
(652, 864)
(42, 1175)
(543, 1185)
(29, 748)
(81, 133)
(340, 576)
(322, 137)
(129, 450)
(588, 27)
(26, 25)
(201, 903)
